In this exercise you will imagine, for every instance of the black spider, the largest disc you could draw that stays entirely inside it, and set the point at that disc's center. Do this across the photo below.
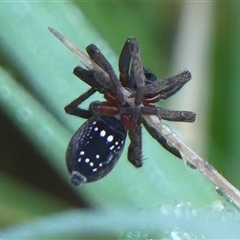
(97, 145)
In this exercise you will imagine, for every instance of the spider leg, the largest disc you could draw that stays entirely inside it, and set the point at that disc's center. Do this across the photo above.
(170, 115)
(160, 139)
(73, 109)
(88, 76)
(124, 64)
(168, 92)
(168, 86)
(96, 55)
(131, 51)
(93, 78)
(135, 146)
(138, 71)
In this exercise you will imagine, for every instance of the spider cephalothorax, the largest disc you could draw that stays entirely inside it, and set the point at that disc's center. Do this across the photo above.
(97, 145)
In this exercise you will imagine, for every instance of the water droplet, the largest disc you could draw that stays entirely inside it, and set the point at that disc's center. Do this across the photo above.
(165, 210)
(190, 165)
(136, 235)
(175, 235)
(219, 191)
(167, 129)
(217, 206)
(178, 234)
(178, 212)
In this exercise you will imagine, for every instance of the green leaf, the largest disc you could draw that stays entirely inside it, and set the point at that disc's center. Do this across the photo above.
(169, 221)
(45, 66)
(36, 82)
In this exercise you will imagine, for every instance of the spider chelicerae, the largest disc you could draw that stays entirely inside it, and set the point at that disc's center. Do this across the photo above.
(97, 145)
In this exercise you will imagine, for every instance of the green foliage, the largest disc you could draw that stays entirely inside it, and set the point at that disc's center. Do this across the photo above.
(36, 83)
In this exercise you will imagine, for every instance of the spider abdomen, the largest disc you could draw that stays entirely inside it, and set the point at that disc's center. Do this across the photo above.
(95, 148)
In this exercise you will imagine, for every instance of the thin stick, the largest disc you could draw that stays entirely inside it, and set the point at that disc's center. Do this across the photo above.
(84, 59)
(188, 155)
(225, 187)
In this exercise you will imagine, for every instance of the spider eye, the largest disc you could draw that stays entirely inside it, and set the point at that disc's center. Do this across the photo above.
(150, 77)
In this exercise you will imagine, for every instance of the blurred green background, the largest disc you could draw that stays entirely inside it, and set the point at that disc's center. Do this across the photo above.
(36, 82)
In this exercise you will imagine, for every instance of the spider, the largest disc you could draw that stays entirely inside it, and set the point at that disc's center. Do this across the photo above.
(97, 145)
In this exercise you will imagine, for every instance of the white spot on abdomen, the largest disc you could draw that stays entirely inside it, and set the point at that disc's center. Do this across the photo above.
(110, 138)
(102, 133)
